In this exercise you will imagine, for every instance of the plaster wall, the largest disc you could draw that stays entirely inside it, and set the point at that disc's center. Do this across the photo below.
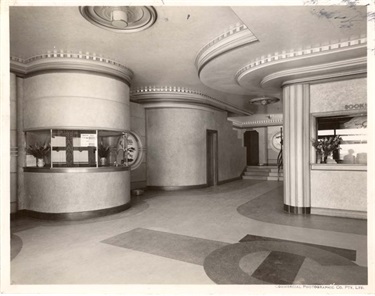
(73, 100)
(340, 190)
(176, 147)
(333, 96)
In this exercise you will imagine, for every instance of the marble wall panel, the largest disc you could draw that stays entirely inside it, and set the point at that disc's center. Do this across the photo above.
(76, 192)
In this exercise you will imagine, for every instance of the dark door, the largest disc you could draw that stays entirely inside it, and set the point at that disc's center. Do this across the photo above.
(251, 141)
(212, 158)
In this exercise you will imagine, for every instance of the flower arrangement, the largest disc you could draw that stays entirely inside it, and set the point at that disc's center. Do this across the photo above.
(103, 150)
(326, 146)
(39, 150)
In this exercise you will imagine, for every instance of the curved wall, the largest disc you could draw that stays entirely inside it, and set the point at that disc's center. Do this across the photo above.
(76, 192)
(176, 147)
(75, 100)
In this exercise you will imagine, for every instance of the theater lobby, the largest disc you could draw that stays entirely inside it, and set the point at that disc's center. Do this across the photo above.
(165, 149)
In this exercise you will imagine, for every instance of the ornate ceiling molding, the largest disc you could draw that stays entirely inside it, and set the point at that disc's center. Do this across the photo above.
(345, 68)
(287, 58)
(179, 97)
(63, 61)
(258, 120)
(231, 39)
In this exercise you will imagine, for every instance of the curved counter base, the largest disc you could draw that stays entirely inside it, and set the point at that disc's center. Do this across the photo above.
(76, 215)
(76, 195)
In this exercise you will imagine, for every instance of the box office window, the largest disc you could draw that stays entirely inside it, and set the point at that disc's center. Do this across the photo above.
(353, 133)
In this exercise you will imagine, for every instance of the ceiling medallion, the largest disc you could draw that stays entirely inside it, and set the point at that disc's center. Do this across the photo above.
(123, 19)
(264, 100)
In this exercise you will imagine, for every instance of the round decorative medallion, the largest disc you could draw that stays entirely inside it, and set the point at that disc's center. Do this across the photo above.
(276, 141)
(123, 19)
(131, 146)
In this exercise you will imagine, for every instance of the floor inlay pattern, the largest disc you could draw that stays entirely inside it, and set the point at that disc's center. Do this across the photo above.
(349, 254)
(269, 208)
(169, 245)
(284, 263)
(255, 260)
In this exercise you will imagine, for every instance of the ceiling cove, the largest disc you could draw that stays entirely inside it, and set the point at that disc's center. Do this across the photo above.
(180, 97)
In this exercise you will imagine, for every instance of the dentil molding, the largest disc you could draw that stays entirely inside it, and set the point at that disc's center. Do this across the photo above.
(65, 60)
(257, 120)
(234, 38)
(179, 97)
(315, 56)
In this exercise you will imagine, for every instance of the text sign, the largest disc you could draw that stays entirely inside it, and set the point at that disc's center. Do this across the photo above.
(88, 140)
(356, 106)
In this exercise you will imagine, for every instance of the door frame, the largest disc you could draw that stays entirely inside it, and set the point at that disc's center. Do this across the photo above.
(212, 158)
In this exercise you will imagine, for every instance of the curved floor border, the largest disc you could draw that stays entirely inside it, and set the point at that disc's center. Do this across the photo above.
(269, 208)
(281, 263)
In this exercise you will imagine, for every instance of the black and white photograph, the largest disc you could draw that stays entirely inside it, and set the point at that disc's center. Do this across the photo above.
(170, 147)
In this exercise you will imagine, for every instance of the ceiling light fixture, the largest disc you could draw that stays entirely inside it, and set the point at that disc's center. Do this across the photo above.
(123, 19)
(120, 18)
(263, 101)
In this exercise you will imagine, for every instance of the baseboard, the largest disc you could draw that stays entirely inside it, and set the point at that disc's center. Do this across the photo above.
(339, 213)
(297, 210)
(229, 180)
(74, 216)
(138, 185)
(175, 188)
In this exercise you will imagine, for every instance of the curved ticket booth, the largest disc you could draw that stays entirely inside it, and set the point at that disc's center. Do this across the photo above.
(78, 148)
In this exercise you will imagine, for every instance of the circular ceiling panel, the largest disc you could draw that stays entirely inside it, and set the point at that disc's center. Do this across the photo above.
(122, 19)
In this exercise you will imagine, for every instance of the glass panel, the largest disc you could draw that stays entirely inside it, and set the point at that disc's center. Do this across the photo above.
(74, 148)
(352, 148)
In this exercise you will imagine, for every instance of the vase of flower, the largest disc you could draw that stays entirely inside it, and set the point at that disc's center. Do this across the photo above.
(325, 147)
(103, 152)
(40, 162)
(329, 158)
(40, 151)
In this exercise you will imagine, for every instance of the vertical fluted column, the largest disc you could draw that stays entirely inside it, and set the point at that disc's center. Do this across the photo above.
(296, 105)
(13, 143)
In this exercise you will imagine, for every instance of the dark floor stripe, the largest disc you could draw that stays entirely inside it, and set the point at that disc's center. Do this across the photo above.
(279, 268)
(349, 254)
(15, 246)
(269, 208)
(174, 246)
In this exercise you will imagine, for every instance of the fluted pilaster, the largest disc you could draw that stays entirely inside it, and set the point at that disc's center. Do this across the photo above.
(13, 142)
(296, 105)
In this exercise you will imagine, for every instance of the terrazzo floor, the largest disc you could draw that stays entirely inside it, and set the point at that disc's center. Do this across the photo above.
(234, 233)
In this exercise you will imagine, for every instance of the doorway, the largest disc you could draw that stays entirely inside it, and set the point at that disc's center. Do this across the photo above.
(212, 158)
(251, 142)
